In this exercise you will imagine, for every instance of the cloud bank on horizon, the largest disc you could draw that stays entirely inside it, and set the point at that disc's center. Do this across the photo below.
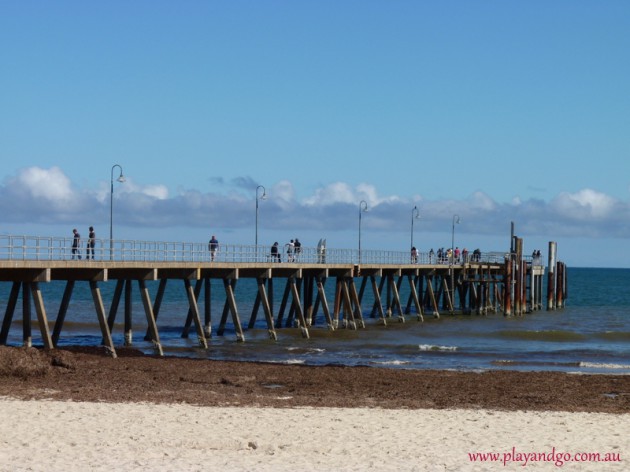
(39, 196)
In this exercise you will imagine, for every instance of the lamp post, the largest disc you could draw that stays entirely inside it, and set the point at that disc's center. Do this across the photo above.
(262, 197)
(363, 206)
(455, 221)
(415, 215)
(451, 263)
(121, 179)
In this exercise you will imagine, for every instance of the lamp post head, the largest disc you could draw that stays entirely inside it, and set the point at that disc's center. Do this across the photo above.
(363, 206)
(121, 179)
(455, 219)
(264, 194)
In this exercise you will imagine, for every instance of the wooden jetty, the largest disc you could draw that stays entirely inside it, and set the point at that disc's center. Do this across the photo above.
(509, 283)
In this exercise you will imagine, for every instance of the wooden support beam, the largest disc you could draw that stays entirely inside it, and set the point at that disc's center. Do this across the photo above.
(63, 310)
(380, 302)
(103, 322)
(192, 304)
(436, 312)
(157, 305)
(358, 315)
(322, 297)
(254, 315)
(128, 314)
(207, 307)
(396, 299)
(10, 311)
(283, 303)
(262, 295)
(27, 338)
(337, 302)
(113, 309)
(151, 323)
(378, 305)
(231, 299)
(298, 307)
(414, 297)
(348, 320)
(190, 315)
(446, 290)
(41, 315)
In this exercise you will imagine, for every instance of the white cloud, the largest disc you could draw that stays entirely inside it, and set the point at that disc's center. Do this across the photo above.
(586, 203)
(341, 192)
(50, 184)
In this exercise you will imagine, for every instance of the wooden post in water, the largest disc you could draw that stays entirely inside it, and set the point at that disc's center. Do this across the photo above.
(518, 276)
(128, 314)
(507, 288)
(551, 278)
(561, 284)
(26, 315)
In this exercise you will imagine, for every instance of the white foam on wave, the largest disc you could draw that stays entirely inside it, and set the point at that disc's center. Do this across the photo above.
(294, 361)
(595, 365)
(393, 362)
(309, 349)
(432, 347)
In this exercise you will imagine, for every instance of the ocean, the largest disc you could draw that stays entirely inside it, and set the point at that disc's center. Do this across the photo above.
(590, 335)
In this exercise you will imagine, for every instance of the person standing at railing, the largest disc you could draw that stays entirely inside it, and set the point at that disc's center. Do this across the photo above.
(76, 244)
(275, 254)
(290, 248)
(91, 243)
(414, 255)
(213, 247)
(298, 248)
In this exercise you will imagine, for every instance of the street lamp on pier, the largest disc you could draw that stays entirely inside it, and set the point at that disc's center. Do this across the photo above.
(261, 197)
(121, 179)
(415, 215)
(363, 206)
(455, 221)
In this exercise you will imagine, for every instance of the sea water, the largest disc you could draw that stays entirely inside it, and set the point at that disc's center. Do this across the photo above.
(591, 334)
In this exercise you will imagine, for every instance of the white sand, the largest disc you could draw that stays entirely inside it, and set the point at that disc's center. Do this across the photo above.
(67, 436)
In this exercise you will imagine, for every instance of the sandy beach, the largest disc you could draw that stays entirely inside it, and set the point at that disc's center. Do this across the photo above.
(70, 411)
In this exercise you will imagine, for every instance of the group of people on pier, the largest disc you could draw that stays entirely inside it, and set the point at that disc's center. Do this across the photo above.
(293, 249)
(89, 248)
(454, 256)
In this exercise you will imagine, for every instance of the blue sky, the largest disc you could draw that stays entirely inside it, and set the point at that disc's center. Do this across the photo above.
(496, 111)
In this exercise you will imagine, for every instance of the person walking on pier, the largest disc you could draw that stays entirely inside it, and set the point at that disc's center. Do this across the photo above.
(213, 246)
(298, 248)
(76, 243)
(91, 243)
(414, 255)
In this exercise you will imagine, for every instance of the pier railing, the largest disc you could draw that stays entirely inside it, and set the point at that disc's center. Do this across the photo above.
(37, 248)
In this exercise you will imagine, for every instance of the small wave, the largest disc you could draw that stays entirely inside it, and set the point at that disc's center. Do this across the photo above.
(534, 363)
(432, 347)
(614, 335)
(294, 361)
(597, 365)
(306, 350)
(393, 362)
